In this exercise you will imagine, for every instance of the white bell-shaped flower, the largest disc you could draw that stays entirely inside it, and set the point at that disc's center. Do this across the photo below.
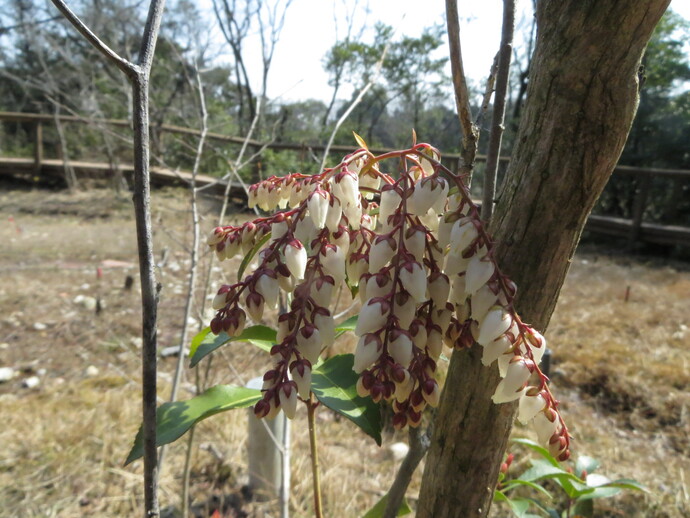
(415, 242)
(267, 287)
(511, 386)
(322, 291)
(431, 221)
(496, 322)
(301, 375)
(494, 349)
(481, 301)
(455, 264)
(305, 231)
(355, 267)
(390, 201)
(378, 285)
(346, 188)
(462, 234)
(457, 294)
(439, 289)
(255, 306)
(434, 343)
(333, 262)
(335, 212)
(530, 406)
(326, 325)
(367, 352)
(372, 316)
(544, 426)
(404, 388)
(382, 251)
(370, 181)
(479, 271)
(309, 343)
(353, 213)
(296, 258)
(400, 347)
(431, 397)
(405, 308)
(318, 208)
(413, 279)
(287, 394)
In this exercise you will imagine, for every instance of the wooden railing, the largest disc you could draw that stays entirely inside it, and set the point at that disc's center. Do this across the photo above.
(634, 229)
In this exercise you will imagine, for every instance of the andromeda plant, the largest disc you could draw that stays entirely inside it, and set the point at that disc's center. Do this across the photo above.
(400, 230)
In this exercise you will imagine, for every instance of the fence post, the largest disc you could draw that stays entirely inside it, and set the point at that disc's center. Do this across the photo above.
(38, 146)
(266, 449)
(639, 204)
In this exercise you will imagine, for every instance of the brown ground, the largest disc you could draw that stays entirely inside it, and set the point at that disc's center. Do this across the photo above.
(621, 370)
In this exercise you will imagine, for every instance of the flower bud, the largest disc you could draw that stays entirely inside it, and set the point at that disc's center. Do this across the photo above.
(496, 322)
(400, 347)
(318, 207)
(479, 271)
(301, 375)
(215, 236)
(413, 279)
(296, 258)
(333, 262)
(463, 233)
(346, 187)
(438, 288)
(378, 285)
(511, 387)
(434, 343)
(381, 252)
(545, 424)
(309, 343)
(431, 392)
(405, 309)
(367, 352)
(530, 406)
(326, 325)
(415, 242)
(335, 212)
(287, 395)
(494, 349)
(390, 201)
(373, 316)
(267, 287)
(322, 291)
(481, 301)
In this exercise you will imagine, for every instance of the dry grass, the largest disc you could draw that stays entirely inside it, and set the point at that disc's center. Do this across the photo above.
(621, 371)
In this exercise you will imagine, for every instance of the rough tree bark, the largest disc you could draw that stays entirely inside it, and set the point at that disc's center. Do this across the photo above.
(581, 100)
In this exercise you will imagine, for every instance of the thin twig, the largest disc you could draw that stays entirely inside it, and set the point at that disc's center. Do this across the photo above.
(498, 115)
(139, 74)
(488, 92)
(419, 444)
(130, 69)
(311, 412)
(470, 134)
(353, 105)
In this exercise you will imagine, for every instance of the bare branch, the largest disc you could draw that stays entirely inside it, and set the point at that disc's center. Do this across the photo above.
(419, 444)
(353, 105)
(498, 115)
(470, 134)
(130, 69)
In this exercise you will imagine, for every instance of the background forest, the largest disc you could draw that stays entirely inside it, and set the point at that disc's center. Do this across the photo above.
(399, 81)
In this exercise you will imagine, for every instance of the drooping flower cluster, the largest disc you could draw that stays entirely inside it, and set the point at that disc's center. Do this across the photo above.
(416, 252)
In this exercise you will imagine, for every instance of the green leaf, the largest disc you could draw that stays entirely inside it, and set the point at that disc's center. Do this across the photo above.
(347, 325)
(586, 463)
(174, 419)
(261, 336)
(248, 258)
(627, 483)
(512, 484)
(198, 338)
(539, 449)
(360, 141)
(334, 384)
(543, 469)
(380, 507)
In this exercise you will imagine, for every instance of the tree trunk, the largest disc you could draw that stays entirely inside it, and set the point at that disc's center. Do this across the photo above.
(581, 99)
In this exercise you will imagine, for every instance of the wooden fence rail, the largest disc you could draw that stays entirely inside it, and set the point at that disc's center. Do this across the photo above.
(634, 229)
